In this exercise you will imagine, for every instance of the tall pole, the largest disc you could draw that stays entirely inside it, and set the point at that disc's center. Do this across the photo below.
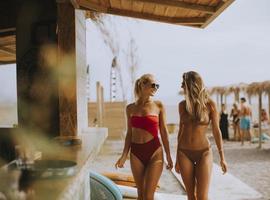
(260, 120)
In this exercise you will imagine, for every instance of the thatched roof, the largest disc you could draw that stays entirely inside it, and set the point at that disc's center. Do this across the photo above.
(218, 90)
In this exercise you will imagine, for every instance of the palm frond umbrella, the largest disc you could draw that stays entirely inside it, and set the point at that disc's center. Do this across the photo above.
(253, 89)
(266, 89)
(220, 92)
(236, 90)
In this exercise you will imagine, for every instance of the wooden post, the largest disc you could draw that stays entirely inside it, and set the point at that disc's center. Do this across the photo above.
(225, 100)
(268, 103)
(236, 96)
(67, 69)
(221, 99)
(99, 104)
(102, 104)
(249, 99)
(217, 101)
(260, 120)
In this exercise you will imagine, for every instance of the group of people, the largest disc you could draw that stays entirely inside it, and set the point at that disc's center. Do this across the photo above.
(241, 121)
(146, 120)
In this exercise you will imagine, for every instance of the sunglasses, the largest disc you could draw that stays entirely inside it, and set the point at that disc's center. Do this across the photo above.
(154, 85)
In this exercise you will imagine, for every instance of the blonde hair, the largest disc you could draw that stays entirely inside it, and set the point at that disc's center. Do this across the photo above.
(138, 84)
(196, 96)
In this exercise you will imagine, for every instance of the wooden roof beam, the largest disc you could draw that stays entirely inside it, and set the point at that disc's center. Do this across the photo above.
(219, 9)
(184, 5)
(7, 62)
(6, 43)
(146, 16)
(84, 4)
(7, 50)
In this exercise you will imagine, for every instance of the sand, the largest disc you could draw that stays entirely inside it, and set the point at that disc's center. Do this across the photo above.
(249, 164)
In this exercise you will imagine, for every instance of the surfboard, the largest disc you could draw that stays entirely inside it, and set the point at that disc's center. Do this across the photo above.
(122, 178)
(103, 188)
(131, 193)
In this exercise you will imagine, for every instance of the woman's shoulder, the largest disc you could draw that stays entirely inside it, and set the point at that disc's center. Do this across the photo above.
(130, 107)
(159, 103)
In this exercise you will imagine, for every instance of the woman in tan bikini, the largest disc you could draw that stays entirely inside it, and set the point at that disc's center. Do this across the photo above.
(194, 157)
(146, 118)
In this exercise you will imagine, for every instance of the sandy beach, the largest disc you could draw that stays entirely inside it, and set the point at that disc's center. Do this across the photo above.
(247, 163)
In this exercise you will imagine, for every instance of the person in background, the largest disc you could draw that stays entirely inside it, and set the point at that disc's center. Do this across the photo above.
(235, 112)
(145, 119)
(245, 120)
(223, 123)
(194, 158)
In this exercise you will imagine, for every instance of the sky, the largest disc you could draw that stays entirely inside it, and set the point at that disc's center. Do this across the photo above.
(234, 48)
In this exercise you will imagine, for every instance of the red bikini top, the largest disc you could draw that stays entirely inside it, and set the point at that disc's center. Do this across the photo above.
(149, 123)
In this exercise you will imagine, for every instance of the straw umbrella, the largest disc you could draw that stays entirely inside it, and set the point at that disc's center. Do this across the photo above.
(220, 92)
(236, 90)
(256, 88)
(266, 89)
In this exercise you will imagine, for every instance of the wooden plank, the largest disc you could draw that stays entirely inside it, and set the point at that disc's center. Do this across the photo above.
(219, 9)
(147, 16)
(7, 50)
(7, 40)
(149, 8)
(115, 4)
(137, 6)
(84, 4)
(160, 10)
(105, 3)
(170, 11)
(181, 4)
(126, 4)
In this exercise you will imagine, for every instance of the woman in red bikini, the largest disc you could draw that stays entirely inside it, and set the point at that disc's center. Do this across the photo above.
(194, 157)
(145, 118)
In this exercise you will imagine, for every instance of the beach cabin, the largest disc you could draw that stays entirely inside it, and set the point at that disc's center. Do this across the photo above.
(47, 41)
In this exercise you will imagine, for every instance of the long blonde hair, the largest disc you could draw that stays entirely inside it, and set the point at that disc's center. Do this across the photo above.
(196, 96)
(138, 84)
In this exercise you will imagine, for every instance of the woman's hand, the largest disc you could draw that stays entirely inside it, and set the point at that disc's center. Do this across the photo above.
(120, 163)
(177, 167)
(224, 166)
(170, 162)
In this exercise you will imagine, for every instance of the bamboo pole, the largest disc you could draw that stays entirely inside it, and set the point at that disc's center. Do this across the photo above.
(260, 120)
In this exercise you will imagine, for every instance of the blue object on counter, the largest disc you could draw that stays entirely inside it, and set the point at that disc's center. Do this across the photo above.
(103, 188)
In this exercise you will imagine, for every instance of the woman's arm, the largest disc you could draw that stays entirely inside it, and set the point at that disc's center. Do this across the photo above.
(164, 134)
(129, 131)
(180, 111)
(217, 134)
(122, 159)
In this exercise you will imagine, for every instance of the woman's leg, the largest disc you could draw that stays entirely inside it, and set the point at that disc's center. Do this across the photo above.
(138, 170)
(203, 175)
(234, 132)
(188, 174)
(152, 174)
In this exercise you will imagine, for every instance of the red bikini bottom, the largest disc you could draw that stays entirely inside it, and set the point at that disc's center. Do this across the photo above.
(145, 151)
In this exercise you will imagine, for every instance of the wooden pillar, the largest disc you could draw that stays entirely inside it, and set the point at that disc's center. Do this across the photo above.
(269, 105)
(221, 99)
(37, 85)
(260, 120)
(100, 106)
(67, 69)
(236, 96)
